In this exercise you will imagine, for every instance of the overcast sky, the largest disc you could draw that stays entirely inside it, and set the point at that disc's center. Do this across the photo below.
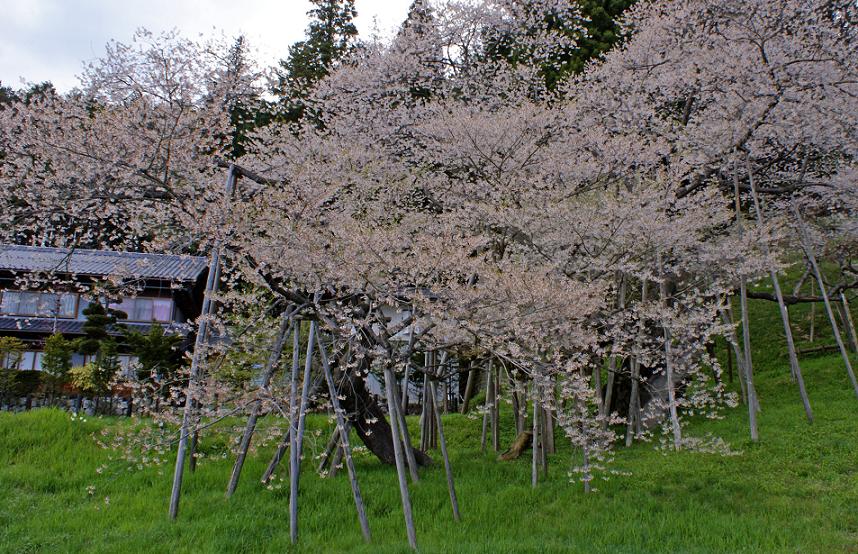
(47, 40)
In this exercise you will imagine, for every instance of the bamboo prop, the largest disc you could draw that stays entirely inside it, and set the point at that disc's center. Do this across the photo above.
(848, 323)
(410, 350)
(192, 449)
(634, 396)
(486, 414)
(398, 457)
(197, 360)
(344, 437)
(287, 441)
(267, 373)
(808, 250)
(753, 405)
(469, 388)
(634, 401)
(543, 446)
(612, 359)
(411, 462)
(337, 461)
(534, 469)
(795, 368)
(454, 502)
(298, 438)
(496, 409)
(668, 364)
(516, 403)
(733, 340)
(331, 447)
(812, 311)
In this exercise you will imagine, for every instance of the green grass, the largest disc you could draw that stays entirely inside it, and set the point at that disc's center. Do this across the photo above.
(794, 491)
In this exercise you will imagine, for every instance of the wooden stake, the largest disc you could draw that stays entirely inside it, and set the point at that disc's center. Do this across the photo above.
(612, 359)
(400, 465)
(746, 334)
(793, 358)
(406, 440)
(848, 323)
(447, 467)
(469, 388)
(290, 436)
(534, 470)
(668, 364)
(298, 438)
(496, 409)
(486, 406)
(808, 249)
(344, 437)
(197, 360)
(267, 372)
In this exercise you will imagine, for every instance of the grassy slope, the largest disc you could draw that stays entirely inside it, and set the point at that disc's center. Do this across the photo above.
(795, 491)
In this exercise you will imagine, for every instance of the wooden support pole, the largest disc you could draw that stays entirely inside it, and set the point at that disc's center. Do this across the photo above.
(469, 388)
(668, 363)
(411, 338)
(534, 469)
(267, 372)
(848, 323)
(197, 361)
(400, 463)
(612, 359)
(394, 411)
(454, 502)
(795, 368)
(808, 250)
(288, 441)
(298, 438)
(746, 333)
(496, 408)
(733, 340)
(486, 406)
(342, 427)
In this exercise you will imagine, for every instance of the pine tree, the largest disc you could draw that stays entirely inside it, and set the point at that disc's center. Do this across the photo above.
(56, 362)
(330, 38)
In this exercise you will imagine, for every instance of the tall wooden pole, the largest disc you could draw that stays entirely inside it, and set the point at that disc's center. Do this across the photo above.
(668, 364)
(808, 250)
(342, 427)
(612, 360)
(487, 406)
(793, 358)
(848, 323)
(454, 502)
(389, 380)
(746, 333)
(297, 444)
(197, 360)
(267, 372)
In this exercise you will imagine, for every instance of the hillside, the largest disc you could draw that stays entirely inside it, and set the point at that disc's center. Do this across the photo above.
(794, 491)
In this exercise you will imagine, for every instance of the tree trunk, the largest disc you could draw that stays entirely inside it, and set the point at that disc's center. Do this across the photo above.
(369, 422)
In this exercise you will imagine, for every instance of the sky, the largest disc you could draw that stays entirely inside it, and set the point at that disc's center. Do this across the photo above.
(48, 40)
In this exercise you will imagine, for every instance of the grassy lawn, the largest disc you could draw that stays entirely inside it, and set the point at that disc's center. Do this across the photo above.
(794, 491)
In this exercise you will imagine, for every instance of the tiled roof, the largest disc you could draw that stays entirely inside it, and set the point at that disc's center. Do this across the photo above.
(70, 326)
(101, 263)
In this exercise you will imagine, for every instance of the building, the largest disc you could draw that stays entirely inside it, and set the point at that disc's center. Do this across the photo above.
(45, 290)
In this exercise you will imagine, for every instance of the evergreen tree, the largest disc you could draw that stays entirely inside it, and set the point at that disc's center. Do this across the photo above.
(330, 38)
(56, 362)
(157, 353)
(11, 350)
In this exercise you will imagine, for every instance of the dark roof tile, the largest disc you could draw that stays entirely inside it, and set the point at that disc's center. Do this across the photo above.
(101, 263)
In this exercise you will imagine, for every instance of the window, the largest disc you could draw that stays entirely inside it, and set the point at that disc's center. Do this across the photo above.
(145, 309)
(23, 361)
(40, 304)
